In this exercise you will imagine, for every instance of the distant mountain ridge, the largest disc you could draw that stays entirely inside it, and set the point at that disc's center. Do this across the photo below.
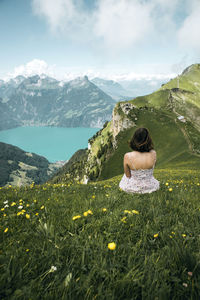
(112, 88)
(126, 89)
(45, 101)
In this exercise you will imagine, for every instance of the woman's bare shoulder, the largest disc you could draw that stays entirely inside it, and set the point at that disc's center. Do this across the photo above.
(153, 151)
(129, 154)
(154, 155)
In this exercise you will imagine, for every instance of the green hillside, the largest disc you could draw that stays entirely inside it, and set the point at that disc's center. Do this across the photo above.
(188, 80)
(170, 143)
(55, 241)
(18, 167)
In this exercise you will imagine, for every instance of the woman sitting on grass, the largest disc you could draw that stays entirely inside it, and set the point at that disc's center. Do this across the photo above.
(139, 165)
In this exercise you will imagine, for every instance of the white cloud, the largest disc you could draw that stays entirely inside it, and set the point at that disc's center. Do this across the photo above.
(67, 17)
(122, 23)
(140, 76)
(188, 34)
(40, 67)
(56, 12)
(36, 66)
(117, 24)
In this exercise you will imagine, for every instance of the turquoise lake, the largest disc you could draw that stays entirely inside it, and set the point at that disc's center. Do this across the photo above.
(54, 143)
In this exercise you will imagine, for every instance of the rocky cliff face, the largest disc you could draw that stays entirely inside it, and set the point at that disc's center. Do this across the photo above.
(121, 119)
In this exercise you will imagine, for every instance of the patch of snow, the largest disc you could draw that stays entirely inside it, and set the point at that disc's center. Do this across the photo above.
(61, 83)
(38, 84)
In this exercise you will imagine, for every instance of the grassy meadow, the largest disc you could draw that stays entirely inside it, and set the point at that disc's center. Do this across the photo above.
(74, 241)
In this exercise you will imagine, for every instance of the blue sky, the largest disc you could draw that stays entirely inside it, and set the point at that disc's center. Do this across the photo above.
(66, 38)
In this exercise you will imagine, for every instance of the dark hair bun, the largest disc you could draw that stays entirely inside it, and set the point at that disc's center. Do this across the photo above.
(141, 140)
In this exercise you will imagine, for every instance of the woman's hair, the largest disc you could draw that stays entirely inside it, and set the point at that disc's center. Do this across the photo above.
(141, 140)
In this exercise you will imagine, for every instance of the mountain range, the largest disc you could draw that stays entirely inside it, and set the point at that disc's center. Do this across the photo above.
(45, 101)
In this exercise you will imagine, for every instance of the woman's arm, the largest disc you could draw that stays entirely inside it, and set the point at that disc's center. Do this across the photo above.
(127, 171)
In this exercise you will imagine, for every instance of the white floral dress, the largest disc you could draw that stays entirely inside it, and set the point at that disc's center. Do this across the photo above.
(141, 181)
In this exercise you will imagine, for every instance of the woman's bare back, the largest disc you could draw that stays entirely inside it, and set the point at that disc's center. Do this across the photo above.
(139, 160)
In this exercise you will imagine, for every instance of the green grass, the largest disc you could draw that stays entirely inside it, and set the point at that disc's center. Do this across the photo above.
(142, 266)
(188, 81)
(157, 99)
(169, 141)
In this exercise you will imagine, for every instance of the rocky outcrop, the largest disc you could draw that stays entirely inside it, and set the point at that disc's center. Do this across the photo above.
(121, 119)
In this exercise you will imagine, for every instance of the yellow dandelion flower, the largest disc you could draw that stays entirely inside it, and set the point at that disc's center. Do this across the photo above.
(6, 230)
(173, 232)
(155, 235)
(4, 215)
(85, 213)
(19, 213)
(13, 203)
(111, 246)
(166, 183)
(35, 200)
(37, 214)
(27, 216)
(123, 219)
(2, 209)
(27, 205)
(126, 211)
(104, 209)
(135, 212)
(42, 207)
(93, 196)
(170, 189)
(90, 212)
(184, 235)
(27, 250)
(76, 217)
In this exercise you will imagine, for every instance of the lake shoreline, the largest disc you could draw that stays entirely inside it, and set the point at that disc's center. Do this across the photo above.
(56, 144)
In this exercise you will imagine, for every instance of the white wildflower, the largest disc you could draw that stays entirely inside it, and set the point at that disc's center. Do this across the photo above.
(20, 207)
(53, 269)
(185, 284)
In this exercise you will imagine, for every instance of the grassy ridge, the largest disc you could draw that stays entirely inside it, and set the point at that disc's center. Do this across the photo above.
(45, 254)
(189, 80)
(169, 140)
